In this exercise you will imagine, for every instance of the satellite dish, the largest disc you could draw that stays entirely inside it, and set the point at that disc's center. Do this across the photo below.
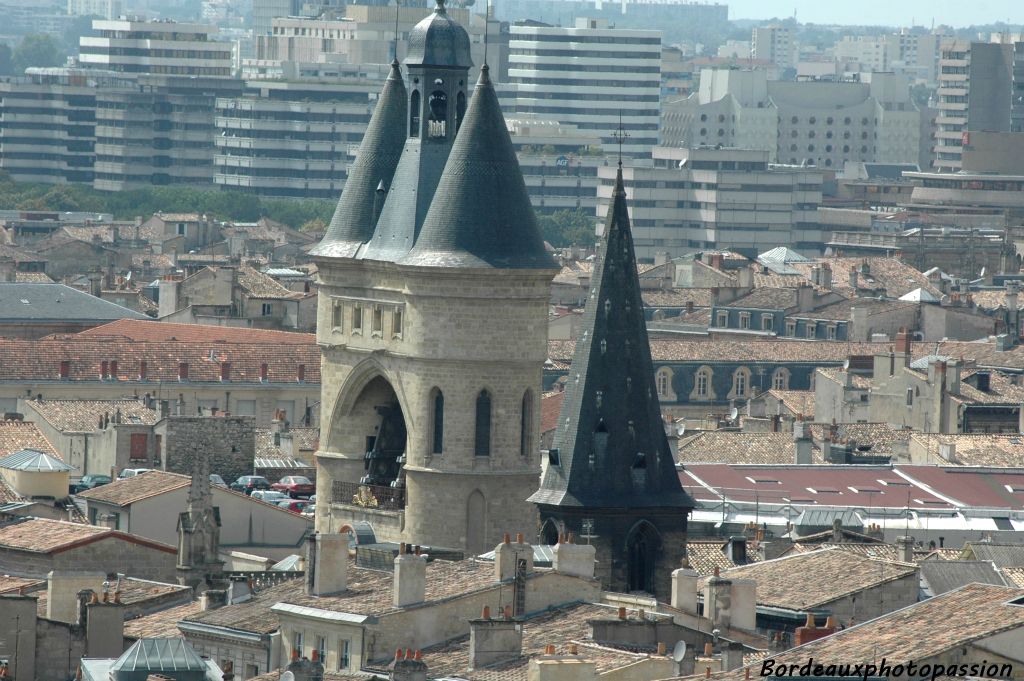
(287, 676)
(846, 364)
(982, 273)
(733, 413)
(678, 653)
(681, 429)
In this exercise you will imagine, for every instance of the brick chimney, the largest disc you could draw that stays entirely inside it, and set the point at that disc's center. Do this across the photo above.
(904, 347)
(408, 666)
(326, 564)
(811, 632)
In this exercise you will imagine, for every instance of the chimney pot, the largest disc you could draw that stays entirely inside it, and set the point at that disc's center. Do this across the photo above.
(810, 621)
(661, 648)
(549, 649)
(571, 538)
(486, 613)
(316, 655)
(507, 538)
(622, 613)
(830, 623)
(746, 673)
(507, 612)
(519, 537)
(418, 655)
(717, 571)
(398, 654)
(295, 654)
(573, 650)
(408, 653)
(707, 672)
(708, 650)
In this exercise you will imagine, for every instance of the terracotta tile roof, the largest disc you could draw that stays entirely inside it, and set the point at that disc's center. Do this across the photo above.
(975, 449)
(130, 490)
(993, 300)
(1014, 575)
(732, 446)
(550, 408)
(179, 217)
(255, 615)
(18, 254)
(679, 297)
(798, 402)
(842, 310)
(134, 592)
(18, 435)
(704, 555)
(766, 298)
(782, 350)
(141, 330)
(559, 627)
(839, 376)
(40, 360)
(811, 580)
(83, 416)
(881, 437)
(1001, 390)
(9, 584)
(159, 261)
(41, 535)
(773, 280)
(307, 439)
(887, 552)
(7, 493)
(162, 624)
(889, 275)
(259, 285)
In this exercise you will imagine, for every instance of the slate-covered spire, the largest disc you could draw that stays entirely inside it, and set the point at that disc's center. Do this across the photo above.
(612, 448)
(481, 214)
(355, 218)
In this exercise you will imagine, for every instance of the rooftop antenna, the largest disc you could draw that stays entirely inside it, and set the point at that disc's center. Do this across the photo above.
(398, 5)
(487, 23)
(620, 136)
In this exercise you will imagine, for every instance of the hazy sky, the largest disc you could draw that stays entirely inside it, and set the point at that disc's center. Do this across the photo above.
(883, 12)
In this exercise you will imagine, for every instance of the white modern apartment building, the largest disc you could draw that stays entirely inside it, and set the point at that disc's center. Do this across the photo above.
(913, 54)
(695, 199)
(559, 163)
(155, 47)
(774, 44)
(976, 93)
(819, 123)
(292, 138)
(590, 76)
(105, 9)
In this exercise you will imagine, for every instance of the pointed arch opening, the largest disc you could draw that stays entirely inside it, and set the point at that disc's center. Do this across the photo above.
(526, 424)
(436, 422)
(642, 545)
(482, 439)
(414, 114)
(476, 523)
(549, 532)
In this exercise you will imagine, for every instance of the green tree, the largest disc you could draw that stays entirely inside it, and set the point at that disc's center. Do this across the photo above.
(314, 225)
(6, 61)
(36, 49)
(568, 228)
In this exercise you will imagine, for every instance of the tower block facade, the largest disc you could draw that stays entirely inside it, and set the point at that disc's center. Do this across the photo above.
(434, 289)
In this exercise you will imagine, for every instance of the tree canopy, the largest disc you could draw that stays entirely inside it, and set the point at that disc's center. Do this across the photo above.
(568, 228)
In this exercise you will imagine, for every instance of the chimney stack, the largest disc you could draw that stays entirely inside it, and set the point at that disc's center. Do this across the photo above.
(326, 564)
(804, 443)
(685, 585)
(493, 640)
(575, 559)
(737, 549)
(810, 632)
(906, 545)
(407, 667)
(62, 589)
(410, 580)
(508, 554)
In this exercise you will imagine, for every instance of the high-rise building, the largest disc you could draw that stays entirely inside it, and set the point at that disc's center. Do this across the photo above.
(155, 47)
(590, 76)
(915, 55)
(265, 11)
(105, 9)
(774, 44)
(976, 93)
(695, 199)
(818, 123)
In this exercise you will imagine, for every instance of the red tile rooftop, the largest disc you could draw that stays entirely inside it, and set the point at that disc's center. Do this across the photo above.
(141, 330)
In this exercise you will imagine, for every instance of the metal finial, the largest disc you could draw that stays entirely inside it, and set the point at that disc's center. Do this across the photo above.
(620, 136)
(440, 5)
(398, 5)
(487, 23)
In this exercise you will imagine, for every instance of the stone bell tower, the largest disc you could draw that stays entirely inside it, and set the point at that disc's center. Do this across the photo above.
(433, 315)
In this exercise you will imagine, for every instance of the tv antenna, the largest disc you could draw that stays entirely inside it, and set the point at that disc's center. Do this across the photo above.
(620, 136)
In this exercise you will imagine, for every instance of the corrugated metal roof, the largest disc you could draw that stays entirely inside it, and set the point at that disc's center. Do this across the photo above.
(33, 460)
(266, 462)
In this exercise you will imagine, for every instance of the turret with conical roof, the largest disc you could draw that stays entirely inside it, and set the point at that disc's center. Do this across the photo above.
(612, 465)
(355, 216)
(438, 62)
(481, 215)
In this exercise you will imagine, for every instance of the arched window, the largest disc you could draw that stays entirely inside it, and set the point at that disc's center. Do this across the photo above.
(436, 422)
(740, 383)
(438, 103)
(702, 384)
(526, 424)
(414, 114)
(662, 383)
(780, 379)
(482, 443)
(460, 110)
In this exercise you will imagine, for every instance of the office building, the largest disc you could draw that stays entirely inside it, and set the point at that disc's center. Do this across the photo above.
(915, 55)
(155, 47)
(774, 44)
(695, 199)
(590, 76)
(819, 123)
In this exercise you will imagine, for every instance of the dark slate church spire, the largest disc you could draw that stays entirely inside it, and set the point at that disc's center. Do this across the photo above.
(613, 476)
(356, 214)
(481, 214)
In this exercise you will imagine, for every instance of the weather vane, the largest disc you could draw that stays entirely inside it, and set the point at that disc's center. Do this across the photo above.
(620, 136)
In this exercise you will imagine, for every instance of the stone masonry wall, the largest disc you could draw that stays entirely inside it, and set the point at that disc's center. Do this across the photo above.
(229, 442)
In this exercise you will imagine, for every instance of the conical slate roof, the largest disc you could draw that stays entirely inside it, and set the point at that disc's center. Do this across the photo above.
(354, 219)
(612, 448)
(481, 214)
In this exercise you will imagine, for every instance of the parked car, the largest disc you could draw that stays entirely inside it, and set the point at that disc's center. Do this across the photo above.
(294, 506)
(309, 510)
(250, 483)
(271, 496)
(90, 481)
(217, 480)
(295, 486)
(132, 472)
